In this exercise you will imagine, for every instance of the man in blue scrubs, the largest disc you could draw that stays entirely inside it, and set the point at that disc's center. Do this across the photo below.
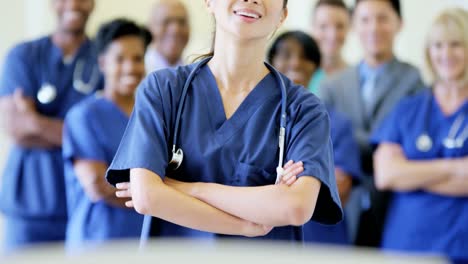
(41, 80)
(92, 133)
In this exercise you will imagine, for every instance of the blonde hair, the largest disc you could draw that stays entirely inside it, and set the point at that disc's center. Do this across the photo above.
(452, 23)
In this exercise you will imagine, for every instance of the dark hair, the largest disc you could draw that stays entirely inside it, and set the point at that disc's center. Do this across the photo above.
(211, 53)
(310, 47)
(118, 28)
(334, 3)
(394, 3)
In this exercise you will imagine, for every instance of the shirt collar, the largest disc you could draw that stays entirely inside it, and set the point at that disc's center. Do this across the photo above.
(365, 70)
(156, 61)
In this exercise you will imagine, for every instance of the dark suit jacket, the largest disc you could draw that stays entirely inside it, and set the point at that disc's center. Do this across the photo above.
(343, 93)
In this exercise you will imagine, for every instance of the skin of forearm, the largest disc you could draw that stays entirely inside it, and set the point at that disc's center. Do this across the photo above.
(457, 184)
(48, 129)
(151, 196)
(33, 130)
(26, 126)
(32, 142)
(90, 175)
(271, 205)
(404, 175)
(454, 187)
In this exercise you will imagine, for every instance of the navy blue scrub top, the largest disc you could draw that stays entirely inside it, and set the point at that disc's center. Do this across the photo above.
(92, 131)
(33, 180)
(419, 220)
(240, 151)
(347, 158)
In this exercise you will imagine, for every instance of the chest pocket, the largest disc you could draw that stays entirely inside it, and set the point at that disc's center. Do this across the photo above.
(250, 175)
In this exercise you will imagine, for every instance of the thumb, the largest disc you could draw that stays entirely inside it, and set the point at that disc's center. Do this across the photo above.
(19, 99)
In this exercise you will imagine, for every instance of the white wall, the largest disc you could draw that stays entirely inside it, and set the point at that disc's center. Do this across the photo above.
(26, 19)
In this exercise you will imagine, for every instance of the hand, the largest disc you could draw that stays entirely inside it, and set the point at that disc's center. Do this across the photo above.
(255, 230)
(124, 191)
(22, 103)
(291, 170)
(344, 183)
(18, 112)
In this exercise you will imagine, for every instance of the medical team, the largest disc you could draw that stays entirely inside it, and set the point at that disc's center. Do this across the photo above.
(383, 145)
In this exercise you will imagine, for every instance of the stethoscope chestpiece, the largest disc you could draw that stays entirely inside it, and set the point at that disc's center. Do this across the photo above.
(47, 93)
(424, 143)
(176, 161)
(453, 143)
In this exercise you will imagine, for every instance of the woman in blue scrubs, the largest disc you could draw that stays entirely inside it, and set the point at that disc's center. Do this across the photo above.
(229, 129)
(422, 153)
(41, 80)
(93, 129)
(297, 55)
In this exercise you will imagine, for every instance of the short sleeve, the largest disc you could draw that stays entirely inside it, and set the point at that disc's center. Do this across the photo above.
(80, 140)
(389, 129)
(309, 142)
(345, 147)
(17, 73)
(144, 144)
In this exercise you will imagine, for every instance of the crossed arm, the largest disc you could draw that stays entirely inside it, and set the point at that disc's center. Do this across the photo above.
(393, 171)
(26, 126)
(90, 175)
(248, 211)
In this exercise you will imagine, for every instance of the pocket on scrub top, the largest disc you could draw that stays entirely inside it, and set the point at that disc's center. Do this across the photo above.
(250, 175)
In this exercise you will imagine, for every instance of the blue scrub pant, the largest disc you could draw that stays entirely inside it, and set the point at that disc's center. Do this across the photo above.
(23, 232)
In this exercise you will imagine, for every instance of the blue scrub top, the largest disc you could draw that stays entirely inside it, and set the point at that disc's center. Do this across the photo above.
(240, 151)
(33, 180)
(347, 158)
(92, 131)
(419, 220)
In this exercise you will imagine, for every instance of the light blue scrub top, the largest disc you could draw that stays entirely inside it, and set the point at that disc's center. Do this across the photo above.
(93, 130)
(418, 220)
(347, 158)
(317, 78)
(240, 151)
(33, 181)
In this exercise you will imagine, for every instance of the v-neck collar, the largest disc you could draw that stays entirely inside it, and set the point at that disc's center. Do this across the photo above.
(57, 53)
(435, 105)
(226, 128)
(115, 108)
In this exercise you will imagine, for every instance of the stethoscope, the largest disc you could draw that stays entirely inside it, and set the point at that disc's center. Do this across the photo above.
(178, 153)
(48, 92)
(454, 140)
